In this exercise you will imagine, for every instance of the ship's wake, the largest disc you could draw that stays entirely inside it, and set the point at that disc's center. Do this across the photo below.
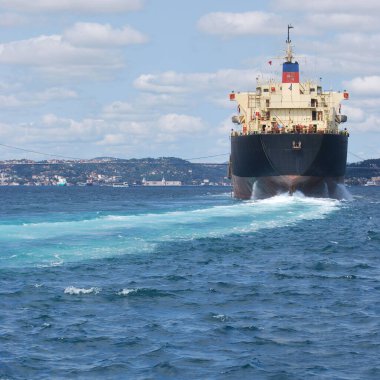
(269, 187)
(54, 243)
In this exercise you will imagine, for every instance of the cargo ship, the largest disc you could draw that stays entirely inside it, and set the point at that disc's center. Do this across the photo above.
(289, 137)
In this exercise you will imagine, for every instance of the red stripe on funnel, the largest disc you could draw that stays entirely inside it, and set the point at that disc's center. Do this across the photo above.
(290, 77)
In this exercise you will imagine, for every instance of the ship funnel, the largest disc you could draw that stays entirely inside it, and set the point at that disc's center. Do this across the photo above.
(290, 72)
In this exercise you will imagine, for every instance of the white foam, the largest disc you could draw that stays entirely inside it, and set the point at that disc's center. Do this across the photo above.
(58, 261)
(125, 292)
(113, 235)
(221, 317)
(343, 193)
(171, 220)
(75, 291)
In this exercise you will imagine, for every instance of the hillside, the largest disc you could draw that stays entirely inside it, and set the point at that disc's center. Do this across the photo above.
(364, 169)
(108, 170)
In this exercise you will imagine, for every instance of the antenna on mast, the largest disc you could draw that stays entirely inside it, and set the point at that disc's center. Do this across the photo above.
(289, 51)
(288, 41)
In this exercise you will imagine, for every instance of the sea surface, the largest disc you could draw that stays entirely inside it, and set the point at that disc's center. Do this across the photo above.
(188, 283)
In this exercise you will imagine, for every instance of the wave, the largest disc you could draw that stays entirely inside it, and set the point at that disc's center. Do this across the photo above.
(125, 292)
(143, 292)
(76, 291)
(111, 235)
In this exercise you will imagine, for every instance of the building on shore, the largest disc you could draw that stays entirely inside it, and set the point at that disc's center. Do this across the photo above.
(163, 182)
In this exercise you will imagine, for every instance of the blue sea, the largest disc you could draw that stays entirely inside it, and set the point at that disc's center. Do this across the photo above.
(188, 283)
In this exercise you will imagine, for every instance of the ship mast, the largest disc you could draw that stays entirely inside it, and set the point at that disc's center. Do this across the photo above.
(289, 50)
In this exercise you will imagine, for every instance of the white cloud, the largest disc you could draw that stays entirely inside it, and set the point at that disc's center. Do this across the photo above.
(66, 130)
(9, 101)
(10, 86)
(56, 57)
(345, 6)
(6, 133)
(319, 65)
(113, 139)
(369, 85)
(127, 133)
(354, 114)
(54, 93)
(363, 116)
(169, 134)
(145, 107)
(167, 82)
(370, 124)
(360, 45)
(351, 53)
(49, 119)
(221, 101)
(369, 103)
(54, 137)
(225, 127)
(233, 24)
(46, 51)
(11, 19)
(28, 99)
(78, 53)
(324, 22)
(173, 82)
(89, 6)
(95, 35)
(96, 136)
(158, 101)
(133, 128)
(117, 109)
(176, 124)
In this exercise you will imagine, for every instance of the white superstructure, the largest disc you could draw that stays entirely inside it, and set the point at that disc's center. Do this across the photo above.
(289, 106)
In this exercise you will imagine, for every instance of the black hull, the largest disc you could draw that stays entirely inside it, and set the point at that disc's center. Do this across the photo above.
(314, 164)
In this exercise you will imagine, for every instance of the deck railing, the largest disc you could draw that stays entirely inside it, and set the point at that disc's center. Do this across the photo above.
(290, 131)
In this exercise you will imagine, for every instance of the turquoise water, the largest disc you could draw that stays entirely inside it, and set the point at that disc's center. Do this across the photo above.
(187, 283)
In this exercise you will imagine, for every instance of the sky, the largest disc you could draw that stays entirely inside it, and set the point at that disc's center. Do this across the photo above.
(151, 78)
